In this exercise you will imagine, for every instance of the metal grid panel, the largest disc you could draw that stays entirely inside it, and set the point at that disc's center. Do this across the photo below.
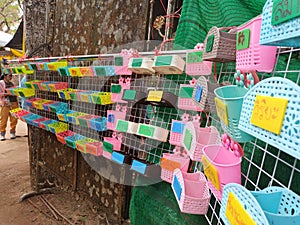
(264, 165)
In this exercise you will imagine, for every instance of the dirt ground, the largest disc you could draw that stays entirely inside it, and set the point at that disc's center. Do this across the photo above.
(15, 181)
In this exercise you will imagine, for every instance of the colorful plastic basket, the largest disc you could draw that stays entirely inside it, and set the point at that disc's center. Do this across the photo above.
(185, 98)
(222, 166)
(98, 123)
(195, 65)
(286, 136)
(280, 205)
(170, 162)
(219, 46)
(176, 132)
(286, 33)
(195, 138)
(250, 55)
(229, 106)
(104, 70)
(94, 148)
(168, 64)
(71, 140)
(238, 206)
(62, 135)
(113, 116)
(102, 98)
(191, 192)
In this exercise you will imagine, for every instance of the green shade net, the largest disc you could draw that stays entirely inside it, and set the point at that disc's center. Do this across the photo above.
(156, 204)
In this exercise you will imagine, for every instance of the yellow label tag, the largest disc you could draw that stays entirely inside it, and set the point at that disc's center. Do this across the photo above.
(221, 110)
(268, 113)
(211, 172)
(236, 213)
(155, 96)
(75, 72)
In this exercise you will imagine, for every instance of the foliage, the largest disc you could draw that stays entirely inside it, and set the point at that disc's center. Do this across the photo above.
(10, 15)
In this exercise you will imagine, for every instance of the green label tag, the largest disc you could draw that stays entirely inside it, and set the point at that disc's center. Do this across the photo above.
(210, 43)
(284, 10)
(129, 95)
(163, 60)
(100, 71)
(118, 61)
(243, 39)
(194, 57)
(137, 62)
(188, 137)
(146, 130)
(186, 92)
(122, 125)
(107, 146)
(116, 88)
(63, 72)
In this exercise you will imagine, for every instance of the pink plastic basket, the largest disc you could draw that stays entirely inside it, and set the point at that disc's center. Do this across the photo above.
(191, 192)
(117, 97)
(170, 162)
(195, 138)
(94, 148)
(187, 103)
(225, 163)
(112, 117)
(255, 56)
(115, 142)
(195, 65)
(176, 132)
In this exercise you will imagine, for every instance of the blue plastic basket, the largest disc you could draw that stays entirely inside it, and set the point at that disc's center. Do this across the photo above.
(98, 124)
(232, 96)
(284, 34)
(280, 205)
(247, 202)
(289, 138)
(71, 140)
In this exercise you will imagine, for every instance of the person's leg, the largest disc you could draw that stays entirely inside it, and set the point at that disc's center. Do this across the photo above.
(13, 121)
(4, 113)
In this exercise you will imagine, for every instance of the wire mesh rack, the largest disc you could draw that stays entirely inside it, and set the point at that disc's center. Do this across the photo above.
(263, 165)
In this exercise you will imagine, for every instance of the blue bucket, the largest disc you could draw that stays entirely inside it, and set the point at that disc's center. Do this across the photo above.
(233, 96)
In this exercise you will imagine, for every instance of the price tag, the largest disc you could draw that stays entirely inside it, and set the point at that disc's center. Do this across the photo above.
(169, 164)
(221, 110)
(211, 172)
(268, 113)
(236, 213)
(155, 96)
(284, 10)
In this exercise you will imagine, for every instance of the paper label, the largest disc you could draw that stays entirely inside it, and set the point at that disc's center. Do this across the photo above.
(268, 113)
(194, 57)
(221, 110)
(187, 139)
(243, 39)
(284, 10)
(169, 164)
(236, 213)
(155, 96)
(211, 172)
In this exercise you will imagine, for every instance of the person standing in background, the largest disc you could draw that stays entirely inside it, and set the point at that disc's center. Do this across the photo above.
(7, 103)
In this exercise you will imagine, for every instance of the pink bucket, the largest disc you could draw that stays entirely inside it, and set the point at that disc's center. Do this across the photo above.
(222, 166)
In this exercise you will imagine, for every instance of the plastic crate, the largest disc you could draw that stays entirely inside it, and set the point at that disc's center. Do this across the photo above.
(55, 86)
(58, 107)
(185, 98)
(250, 55)
(38, 104)
(191, 192)
(71, 140)
(58, 127)
(141, 65)
(101, 98)
(73, 117)
(81, 144)
(84, 120)
(176, 132)
(98, 123)
(104, 70)
(62, 115)
(87, 71)
(94, 148)
(62, 135)
(45, 124)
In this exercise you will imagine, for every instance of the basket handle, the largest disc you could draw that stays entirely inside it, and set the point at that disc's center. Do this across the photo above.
(232, 145)
(232, 29)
